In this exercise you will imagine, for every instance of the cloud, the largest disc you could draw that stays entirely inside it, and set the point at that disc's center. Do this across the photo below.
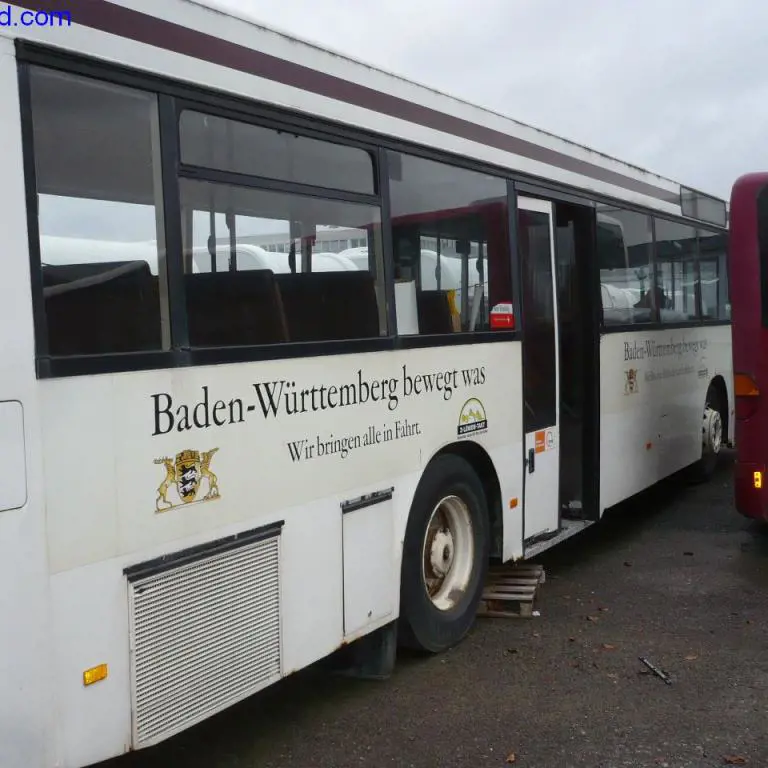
(675, 87)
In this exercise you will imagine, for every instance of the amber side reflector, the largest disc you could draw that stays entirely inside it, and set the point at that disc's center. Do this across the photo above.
(95, 674)
(513, 503)
(757, 479)
(745, 386)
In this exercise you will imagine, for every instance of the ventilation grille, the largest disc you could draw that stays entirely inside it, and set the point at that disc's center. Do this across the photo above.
(204, 635)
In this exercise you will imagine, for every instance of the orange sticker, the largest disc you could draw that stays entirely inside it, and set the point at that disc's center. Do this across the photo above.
(539, 444)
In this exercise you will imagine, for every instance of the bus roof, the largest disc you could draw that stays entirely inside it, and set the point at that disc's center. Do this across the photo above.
(237, 54)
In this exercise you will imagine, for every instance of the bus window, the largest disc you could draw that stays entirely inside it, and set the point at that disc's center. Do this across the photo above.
(676, 271)
(99, 223)
(715, 302)
(228, 145)
(247, 295)
(624, 248)
(451, 246)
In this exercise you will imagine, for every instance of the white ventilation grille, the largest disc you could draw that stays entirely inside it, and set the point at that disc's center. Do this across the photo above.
(204, 635)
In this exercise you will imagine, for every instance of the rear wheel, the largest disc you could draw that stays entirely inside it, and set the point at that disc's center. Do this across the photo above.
(445, 556)
(713, 420)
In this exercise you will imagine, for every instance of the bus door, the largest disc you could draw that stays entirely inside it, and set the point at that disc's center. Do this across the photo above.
(540, 369)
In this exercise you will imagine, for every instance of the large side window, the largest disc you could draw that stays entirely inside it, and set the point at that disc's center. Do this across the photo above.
(625, 248)
(715, 302)
(264, 266)
(451, 247)
(96, 151)
(676, 271)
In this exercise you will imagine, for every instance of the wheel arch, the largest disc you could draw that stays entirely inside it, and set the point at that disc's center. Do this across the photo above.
(481, 462)
(718, 384)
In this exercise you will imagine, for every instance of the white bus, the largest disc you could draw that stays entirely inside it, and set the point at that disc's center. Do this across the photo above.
(215, 472)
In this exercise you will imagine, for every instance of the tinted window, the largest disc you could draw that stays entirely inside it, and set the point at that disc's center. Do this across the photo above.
(100, 215)
(451, 247)
(625, 247)
(539, 366)
(258, 270)
(228, 145)
(715, 303)
(676, 271)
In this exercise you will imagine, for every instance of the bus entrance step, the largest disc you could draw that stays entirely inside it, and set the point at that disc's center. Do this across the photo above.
(510, 590)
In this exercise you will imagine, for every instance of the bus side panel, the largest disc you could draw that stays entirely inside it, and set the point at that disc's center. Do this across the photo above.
(652, 391)
(298, 464)
(26, 719)
(509, 461)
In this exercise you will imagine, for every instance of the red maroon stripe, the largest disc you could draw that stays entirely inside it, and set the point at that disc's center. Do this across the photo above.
(167, 35)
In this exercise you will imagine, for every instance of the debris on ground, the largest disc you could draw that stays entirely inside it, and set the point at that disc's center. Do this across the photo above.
(656, 671)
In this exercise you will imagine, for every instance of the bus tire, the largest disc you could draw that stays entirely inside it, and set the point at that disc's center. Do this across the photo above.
(445, 556)
(713, 421)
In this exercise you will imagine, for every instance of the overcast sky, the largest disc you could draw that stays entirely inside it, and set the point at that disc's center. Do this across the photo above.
(679, 87)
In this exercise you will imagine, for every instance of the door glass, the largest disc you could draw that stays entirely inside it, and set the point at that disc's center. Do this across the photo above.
(539, 372)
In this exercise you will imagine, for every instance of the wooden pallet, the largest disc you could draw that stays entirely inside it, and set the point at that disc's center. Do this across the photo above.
(510, 590)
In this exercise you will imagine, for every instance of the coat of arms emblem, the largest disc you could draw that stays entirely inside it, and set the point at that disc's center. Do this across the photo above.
(630, 384)
(184, 474)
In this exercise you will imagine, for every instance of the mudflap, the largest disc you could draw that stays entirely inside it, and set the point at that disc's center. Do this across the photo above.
(372, 657)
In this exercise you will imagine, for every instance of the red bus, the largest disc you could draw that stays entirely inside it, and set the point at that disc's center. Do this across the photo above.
(748, 265)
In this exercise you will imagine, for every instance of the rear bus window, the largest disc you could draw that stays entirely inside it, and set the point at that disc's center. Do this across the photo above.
(96, 150)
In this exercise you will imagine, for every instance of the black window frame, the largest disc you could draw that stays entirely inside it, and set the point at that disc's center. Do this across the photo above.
(656, 324)
(283, 350)
(412, 340)
(173, 96)
(697, 270)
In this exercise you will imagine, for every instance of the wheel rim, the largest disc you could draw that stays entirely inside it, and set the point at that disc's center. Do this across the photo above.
(712, 432)
(448, 553)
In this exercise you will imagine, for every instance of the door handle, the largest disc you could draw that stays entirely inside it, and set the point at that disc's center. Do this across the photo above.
(531, 454)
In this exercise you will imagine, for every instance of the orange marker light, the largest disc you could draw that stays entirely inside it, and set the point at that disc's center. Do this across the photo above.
(757, 479)
(95, 674)
(744, 385)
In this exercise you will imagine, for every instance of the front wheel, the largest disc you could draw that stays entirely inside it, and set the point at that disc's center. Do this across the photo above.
(445, 556)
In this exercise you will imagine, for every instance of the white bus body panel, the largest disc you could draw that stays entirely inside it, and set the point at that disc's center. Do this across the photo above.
(26, 685)
(653, 386)
(89, 452)
(101, 499)
(121, 50)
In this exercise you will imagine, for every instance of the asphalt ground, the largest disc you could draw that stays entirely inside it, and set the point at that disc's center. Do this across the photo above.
(675, 576)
